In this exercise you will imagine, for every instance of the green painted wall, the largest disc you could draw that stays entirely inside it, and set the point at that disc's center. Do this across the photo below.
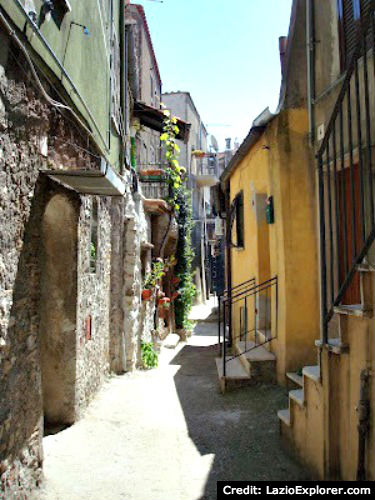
(85, 58)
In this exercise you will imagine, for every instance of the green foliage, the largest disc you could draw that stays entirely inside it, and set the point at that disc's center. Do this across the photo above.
(92, 251)
(149, 355)
(185, 252)
(180, 200)
(155, 275)
(175, 173)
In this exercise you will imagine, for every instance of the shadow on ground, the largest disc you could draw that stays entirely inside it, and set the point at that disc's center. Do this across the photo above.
(240, 428)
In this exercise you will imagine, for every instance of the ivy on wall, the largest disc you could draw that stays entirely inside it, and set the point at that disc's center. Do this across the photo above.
(180, 200)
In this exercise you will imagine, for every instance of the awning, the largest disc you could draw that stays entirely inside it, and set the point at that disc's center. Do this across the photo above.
(103, 182)
(154, 118)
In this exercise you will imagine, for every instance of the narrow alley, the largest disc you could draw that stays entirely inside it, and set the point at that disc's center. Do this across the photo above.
(169, 434)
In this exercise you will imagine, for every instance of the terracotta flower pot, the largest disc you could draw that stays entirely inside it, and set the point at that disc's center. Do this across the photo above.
(146, 294)
(164, 302)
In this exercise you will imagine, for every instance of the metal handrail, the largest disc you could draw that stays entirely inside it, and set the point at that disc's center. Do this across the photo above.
(346, 189)
(245, 295)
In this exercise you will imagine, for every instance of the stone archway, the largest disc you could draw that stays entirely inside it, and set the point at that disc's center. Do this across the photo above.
(58, 307)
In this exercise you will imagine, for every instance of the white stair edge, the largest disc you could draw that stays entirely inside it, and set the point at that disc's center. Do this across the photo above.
(298, 396)
(284, 416)
(312, 372)
(355, 310)
(294, 377)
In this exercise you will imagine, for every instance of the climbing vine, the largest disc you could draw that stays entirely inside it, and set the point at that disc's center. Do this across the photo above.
(180, 200)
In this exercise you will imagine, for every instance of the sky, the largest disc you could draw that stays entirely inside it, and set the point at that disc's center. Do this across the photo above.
(225, 53)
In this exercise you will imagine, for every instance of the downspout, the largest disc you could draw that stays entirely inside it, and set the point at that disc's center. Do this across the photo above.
(228, 259)
(310, 52)
(123, 82)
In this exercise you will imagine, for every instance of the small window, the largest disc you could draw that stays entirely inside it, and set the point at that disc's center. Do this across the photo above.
(94, 236)
(237, 216)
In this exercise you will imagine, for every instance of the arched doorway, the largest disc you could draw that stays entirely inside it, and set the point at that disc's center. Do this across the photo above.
(58, 311)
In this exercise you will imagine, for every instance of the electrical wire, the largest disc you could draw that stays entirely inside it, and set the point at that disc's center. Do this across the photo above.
(47, 97)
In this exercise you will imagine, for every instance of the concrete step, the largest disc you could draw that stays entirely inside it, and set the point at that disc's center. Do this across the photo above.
(354, 310)
(295, 378)
(298, 396)
(257, 353)
(171, 341)
(235, 375)
(284, 416)
(336, 346)
(261, 362)
(312, 372)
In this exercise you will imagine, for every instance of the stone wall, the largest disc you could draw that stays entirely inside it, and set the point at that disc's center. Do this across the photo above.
(35, 137)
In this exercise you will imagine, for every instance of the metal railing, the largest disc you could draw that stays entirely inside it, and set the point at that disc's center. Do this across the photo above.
(154, 188)
(206, 165)
(346, 179)
(252, 311)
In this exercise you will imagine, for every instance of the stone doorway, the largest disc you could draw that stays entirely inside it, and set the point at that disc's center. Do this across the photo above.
(58, 312)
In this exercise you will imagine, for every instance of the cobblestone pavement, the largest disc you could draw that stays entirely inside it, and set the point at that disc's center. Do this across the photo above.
(168, 434)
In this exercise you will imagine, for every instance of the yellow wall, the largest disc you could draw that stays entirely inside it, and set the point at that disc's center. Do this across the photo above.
(279, 165)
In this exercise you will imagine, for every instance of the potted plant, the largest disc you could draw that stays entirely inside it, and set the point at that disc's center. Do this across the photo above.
(153, 278)
(164, 302)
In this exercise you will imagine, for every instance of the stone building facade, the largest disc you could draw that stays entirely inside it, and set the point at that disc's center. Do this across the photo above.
(73, 236)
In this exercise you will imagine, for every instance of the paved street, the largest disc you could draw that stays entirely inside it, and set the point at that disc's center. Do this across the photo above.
(168, 434)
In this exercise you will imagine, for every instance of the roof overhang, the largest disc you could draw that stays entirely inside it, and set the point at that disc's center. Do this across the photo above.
(103, 182)
(154, 119)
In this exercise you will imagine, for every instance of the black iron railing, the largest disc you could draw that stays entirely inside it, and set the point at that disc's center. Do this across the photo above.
(346, 179)
(247, 314)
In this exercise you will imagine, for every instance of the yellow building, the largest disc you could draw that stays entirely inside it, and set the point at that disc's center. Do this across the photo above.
(303, 230)
(271, 170)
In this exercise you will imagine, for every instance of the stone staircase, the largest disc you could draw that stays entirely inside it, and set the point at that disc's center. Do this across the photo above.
(305, 421)
(253, 363)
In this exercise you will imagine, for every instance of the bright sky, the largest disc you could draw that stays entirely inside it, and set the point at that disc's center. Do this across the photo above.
(225, 53)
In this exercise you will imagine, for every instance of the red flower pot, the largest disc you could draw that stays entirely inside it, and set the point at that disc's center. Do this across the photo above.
(164, 302)
(146, 294)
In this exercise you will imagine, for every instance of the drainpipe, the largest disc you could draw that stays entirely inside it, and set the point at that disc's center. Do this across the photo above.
(310, 48)
(229, 260)
(363, 410)
(123, 81)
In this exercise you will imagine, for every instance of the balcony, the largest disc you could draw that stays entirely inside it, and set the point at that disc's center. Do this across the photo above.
(155, 190)
(205, 170)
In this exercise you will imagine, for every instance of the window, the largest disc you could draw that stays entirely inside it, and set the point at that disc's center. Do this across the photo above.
(94, 236)
(237, 216)
(350, 13)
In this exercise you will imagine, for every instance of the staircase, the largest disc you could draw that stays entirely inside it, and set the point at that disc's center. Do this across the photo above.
(249, 335)
(322, 420)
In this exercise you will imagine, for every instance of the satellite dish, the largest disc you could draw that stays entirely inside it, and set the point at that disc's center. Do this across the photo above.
(214, 143)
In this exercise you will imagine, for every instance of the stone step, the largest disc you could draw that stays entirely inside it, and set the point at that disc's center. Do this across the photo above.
(298, 396)
(336, 346)
(257, 361)
(312, 372)
(353, 310)
(295, 378)
(257, 353)
(235, 373)
(284, 416)
(171, 341)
